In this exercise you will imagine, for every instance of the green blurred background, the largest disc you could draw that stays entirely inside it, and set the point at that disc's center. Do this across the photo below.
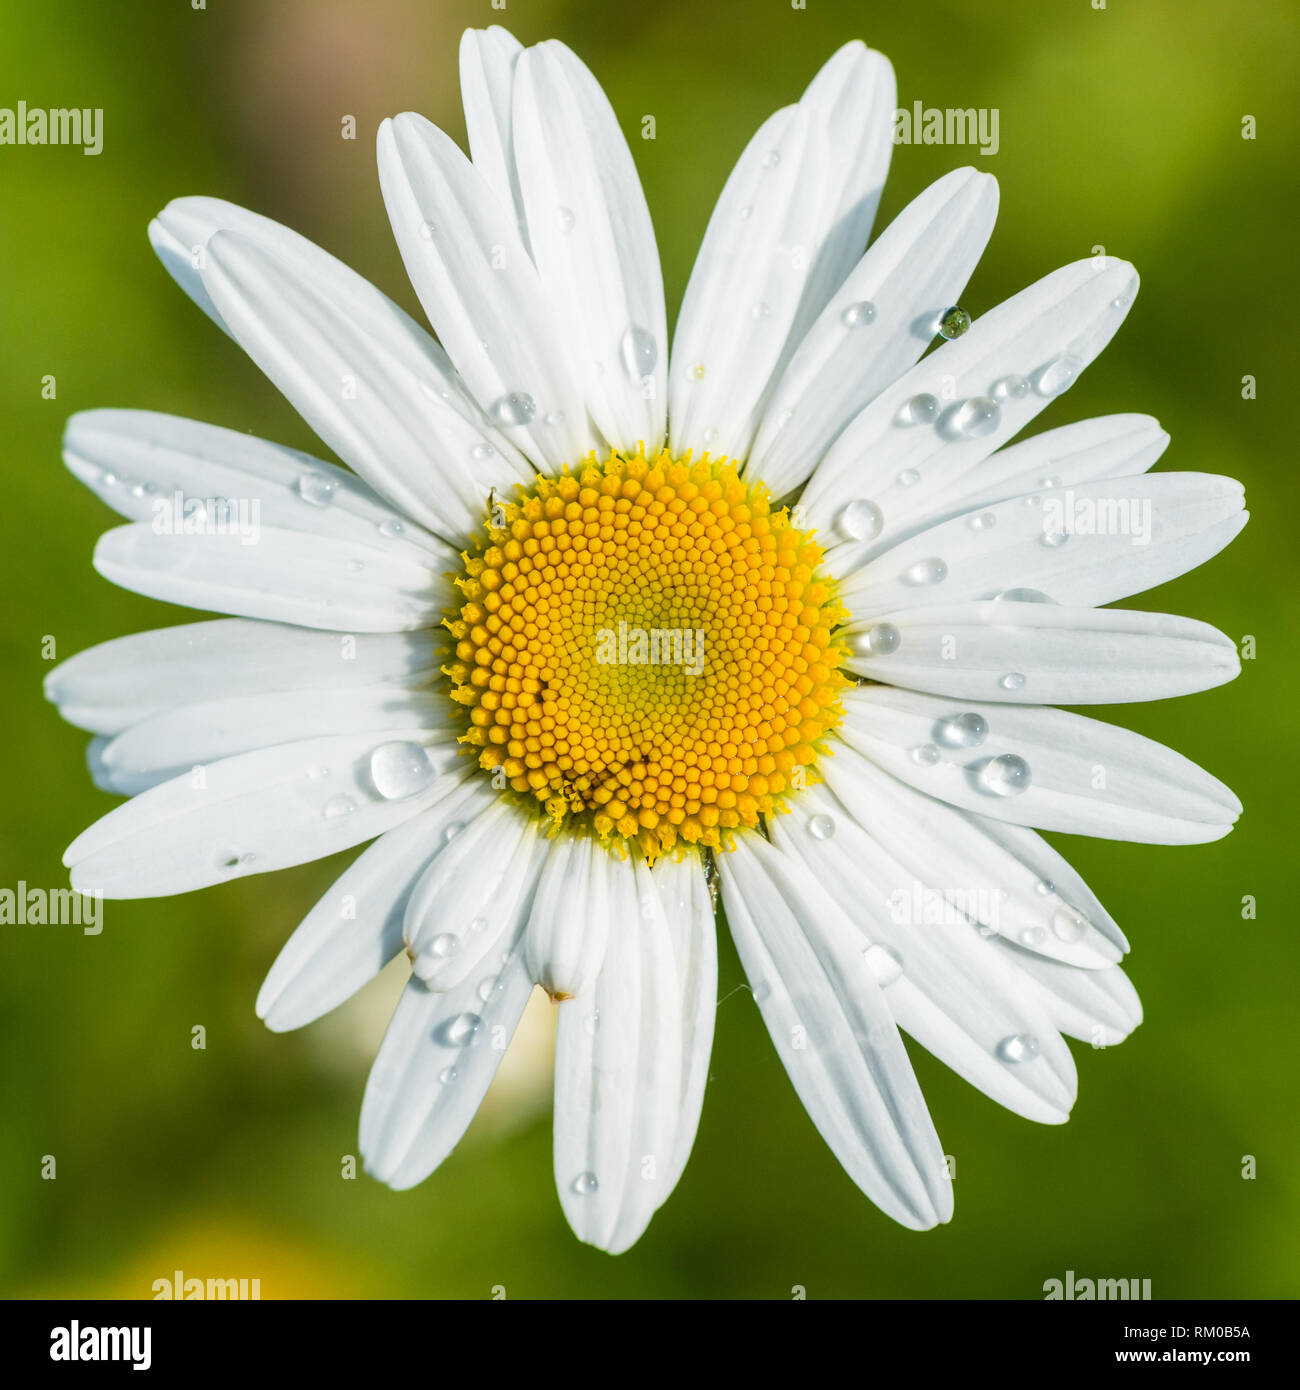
(1119, 127)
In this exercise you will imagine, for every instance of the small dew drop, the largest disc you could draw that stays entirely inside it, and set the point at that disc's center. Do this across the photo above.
(979, 416)
(400, 770)
(759, 310)
(931, 570)
(919, 410)
(639, 351)
(822, 828)
(514, 410)
(487, 988)
(967, 730)
(860, 520)
(858, 315)
(878, 640)
(983, 521)
(1009, 388)
(1022, 596)
(584, 1185)
(1006, 775)
(444, 944)
(459, 1031)
(1032, 936)
(591, 1023)
(447, 1075)
(925, 755)
(482, 451)
(392, 528)
(1013, 680)
(338, 806)
(884, 963)
(566, 219)
(1054, 539)
(316, 490)
(1020, 1047)
(909, 477)
(1057, 374)
(953, 322)
(771, 159)
(1044, 886)
(1068, 925)
(451, 832)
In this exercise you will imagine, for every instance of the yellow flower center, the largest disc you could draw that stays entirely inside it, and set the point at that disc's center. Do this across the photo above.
(646, 648)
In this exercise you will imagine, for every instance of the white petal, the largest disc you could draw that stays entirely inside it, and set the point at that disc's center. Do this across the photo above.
(433, 1068)
(1047, 334)
(286, 576)
(790, 223)
(137, 461)
(383, 402)
(1140, 532)
(834, 1032)
(944, 984)
(482, 292)
(249, 814)
(175, 740)
(356, 928)
(1086, 777)
(619, 1069)
(1040, 653)
(488, 58)
(472, 895)
(109, 687)
(371, 382)
(592, 242)
(571, 913)
(915, 269)
(1100, 1007)
(1011, 879)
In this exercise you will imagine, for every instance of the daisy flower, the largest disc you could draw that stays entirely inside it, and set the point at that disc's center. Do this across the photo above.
(592, 635)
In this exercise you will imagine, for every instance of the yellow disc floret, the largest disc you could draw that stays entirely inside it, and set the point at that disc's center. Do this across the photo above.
(646, 647)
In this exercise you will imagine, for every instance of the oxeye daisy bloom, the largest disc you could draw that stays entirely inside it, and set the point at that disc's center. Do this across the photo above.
(591, 635)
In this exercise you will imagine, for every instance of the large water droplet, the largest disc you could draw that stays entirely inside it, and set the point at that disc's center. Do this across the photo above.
(821, 828)
(967, 730)
(400, 769)
(878, 640)
(858, 315)
(1005, 775)
(884, 962)
(316, 490)
(931, 570)
(639, 352)
(1055, 375)
(979, 416)
(459, 1031)
(953, 322)
(514, 410)
(861, 520)
(1020, 1047)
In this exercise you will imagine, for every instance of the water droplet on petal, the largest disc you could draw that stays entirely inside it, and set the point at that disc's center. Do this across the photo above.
(1013, 680)
(1020, 1047)
(860, 520)
(920, 410)
(1032, 936)
(639, 352)
(1044, 886)
(458, 1031)
(1054, 539)
(967, 730)
(482, 451)
(356, 566)
(1009, 388)
(983, 521)
(584, 1185)
(771, 159)
(909, 477)
(1057, 374)
(514, 410)
(1067, 924)
(979, 416)
(1006, 775)
(878, 640)
(444, 944)
(487, 988)
(932, 570)
(822, 827)
(392, 528)
(566, 219)
(858, 315)
(447, 1075)
(591, 1023)
(884, 962)
(925, 755)
(338, 806)
(316, 490)
(400, 769)
(451, 832)
(953, 322)
(1022, 596)
(759, 310)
